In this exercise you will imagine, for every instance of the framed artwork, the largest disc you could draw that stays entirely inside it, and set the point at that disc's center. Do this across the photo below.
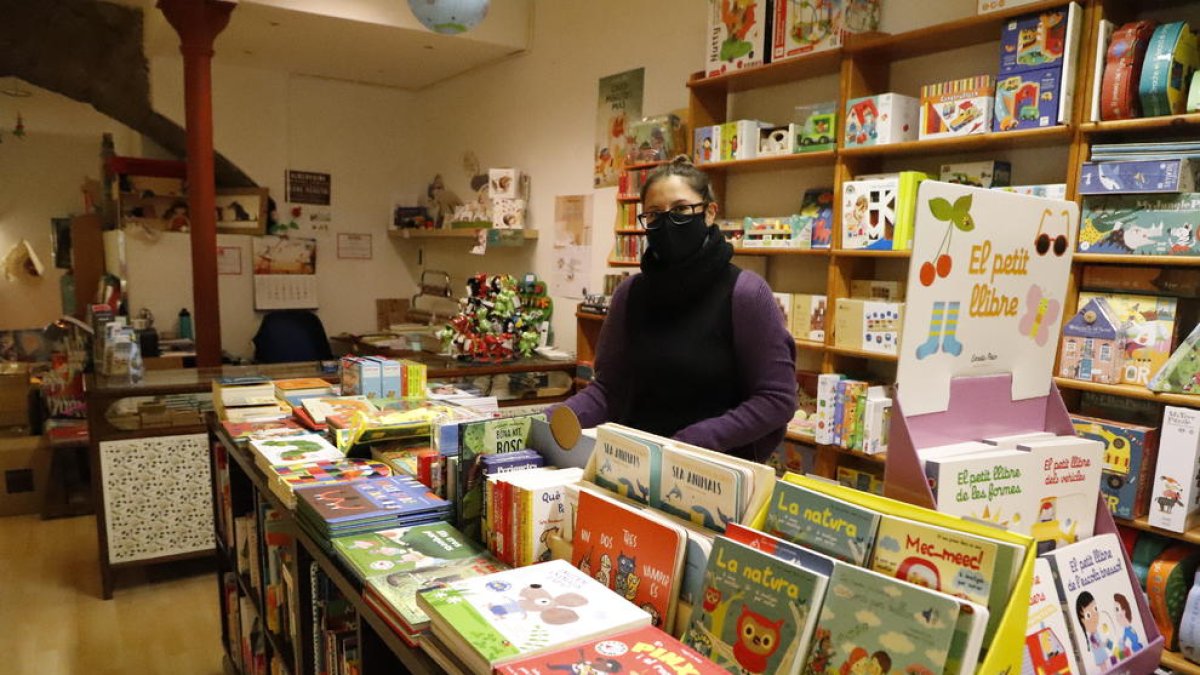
(242, 211)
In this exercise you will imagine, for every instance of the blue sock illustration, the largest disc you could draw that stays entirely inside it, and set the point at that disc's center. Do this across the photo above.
(930, 346)
(950, 344)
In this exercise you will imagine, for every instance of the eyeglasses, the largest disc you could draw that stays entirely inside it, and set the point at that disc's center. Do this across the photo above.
(678, 215)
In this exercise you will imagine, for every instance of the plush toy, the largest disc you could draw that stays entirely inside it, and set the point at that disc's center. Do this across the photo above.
(498, 320)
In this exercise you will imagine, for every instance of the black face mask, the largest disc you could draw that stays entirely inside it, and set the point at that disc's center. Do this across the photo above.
(672, 243)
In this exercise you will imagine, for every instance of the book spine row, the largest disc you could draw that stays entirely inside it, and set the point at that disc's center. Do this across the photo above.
(628, 248)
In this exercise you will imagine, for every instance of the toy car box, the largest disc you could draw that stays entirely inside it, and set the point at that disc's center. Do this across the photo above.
(1027, 100)
(985, 174)
(957, 108)
(1130, 451)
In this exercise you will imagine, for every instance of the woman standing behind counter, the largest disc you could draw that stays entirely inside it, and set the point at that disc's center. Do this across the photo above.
(693, 348)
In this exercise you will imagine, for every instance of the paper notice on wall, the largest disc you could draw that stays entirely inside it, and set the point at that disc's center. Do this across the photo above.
(572, 220)
(572, 268)
(285, 291)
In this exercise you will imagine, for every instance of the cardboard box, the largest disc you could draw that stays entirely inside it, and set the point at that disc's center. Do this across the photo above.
(797, 30)
(739, 139)
(1155, 224)
(869, 214)
(1137, 176)
(880, 120)
(1176, 496)
(1033, 41)
(869, 325)
(877, 289)
(24, 470)
(14, 394)
(784, 302)
(1027, 100)
(1129, 454)
(957, 108)
(808, 317)
(738, 40)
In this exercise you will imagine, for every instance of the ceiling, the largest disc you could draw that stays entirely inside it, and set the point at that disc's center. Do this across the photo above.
(371, 41)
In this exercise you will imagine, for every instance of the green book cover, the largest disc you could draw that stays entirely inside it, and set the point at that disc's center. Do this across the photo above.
(399, 589)
(400, 549)
(906, 208)
(627, 465)
(757, 611)
(875, 624)
(484, 437)
(825, 524)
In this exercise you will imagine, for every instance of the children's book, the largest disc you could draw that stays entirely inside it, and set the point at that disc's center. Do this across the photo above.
(874, 623)
(284, 478)
(1149, 324)
(631, 551)
(1175, 501)
(995, 486)
(1066, 471)
(359, 504)
(240, 431)
(820, 522)
(757, 611)
(1048, 647)
(1130, 451)
(538, 510)
(484, 437)
(957, 563)
(320, 407)
(627, 464)
(1101, 608)
(700, 490)
(869, 214)
(300, 449)
(643, 650)
(817, 205)
(401, 549)
(498, 618)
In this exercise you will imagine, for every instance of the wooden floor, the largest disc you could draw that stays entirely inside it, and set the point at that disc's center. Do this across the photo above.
(52, 620)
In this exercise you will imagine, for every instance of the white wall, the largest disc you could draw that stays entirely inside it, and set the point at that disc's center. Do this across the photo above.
(40, 178)
(266, 122)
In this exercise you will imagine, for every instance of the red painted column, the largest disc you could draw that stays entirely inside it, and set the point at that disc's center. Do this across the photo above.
(198, 23)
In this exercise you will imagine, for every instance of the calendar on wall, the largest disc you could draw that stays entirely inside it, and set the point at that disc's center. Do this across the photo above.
(285, 291)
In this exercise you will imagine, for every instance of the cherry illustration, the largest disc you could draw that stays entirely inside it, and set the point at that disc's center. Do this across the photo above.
(928, 274)
(943, 265)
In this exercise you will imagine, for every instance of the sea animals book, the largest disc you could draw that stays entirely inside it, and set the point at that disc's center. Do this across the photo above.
(494, 619)
(632, 551)
(826, 524)
(1048, 646)
(1101, 608)
(757, 611)
(625, 464)
(700, 490)
(875, 623)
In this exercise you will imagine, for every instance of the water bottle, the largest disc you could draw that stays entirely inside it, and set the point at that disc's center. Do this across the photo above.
(185, 324)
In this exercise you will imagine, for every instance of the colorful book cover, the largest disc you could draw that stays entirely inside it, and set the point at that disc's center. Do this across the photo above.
(738, 37)
(1129, 454)
(757, 611)
(817, 205)
(644, 650)
(320, 407)
(1048, 646)
(874, 623)
(996, 487)
(369, 499)
(402, 549)
(906, 209)
(1033, 41)
(524, 612)
(478, 438)
(1099, 601)
(698, 490)
(1066, 471)
(632, 552)
(627, 465)
(1150, 325)
(824, 524)
(956, 563)
(399, 589)
(986, 287)
(263, 430)
(1155, 224)
(869, 214)
(826, 405)
(542, 508)
(300, 449)
(1175, 501)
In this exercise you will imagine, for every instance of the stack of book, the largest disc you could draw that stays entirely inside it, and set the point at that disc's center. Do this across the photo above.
(852, 414)
(394, 564)
(295, 390)
(367, 505)
(247, 399)
(284, 479)
(525, 509)
(292, 449)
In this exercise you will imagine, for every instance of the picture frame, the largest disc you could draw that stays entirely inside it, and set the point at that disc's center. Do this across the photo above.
(242, 211)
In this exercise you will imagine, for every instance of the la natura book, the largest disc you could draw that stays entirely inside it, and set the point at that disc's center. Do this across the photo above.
(757, 610)
(522, 612)
(823, 523)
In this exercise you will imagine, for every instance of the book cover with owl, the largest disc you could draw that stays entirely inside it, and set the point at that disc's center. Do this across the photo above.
(874, 623)
(1150, 331)
(823, 523)
(633, 552)
(957, 563)
(1098, 599)
(700, 491)
(757, 610)
(627, 465)
(497, 618)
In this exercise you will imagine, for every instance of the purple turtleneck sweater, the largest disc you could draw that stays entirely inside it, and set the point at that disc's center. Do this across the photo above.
(766, 365)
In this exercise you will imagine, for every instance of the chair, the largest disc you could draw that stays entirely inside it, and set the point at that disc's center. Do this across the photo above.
(291, 335)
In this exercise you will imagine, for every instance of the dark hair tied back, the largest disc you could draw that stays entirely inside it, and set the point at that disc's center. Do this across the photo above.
(681, 165)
